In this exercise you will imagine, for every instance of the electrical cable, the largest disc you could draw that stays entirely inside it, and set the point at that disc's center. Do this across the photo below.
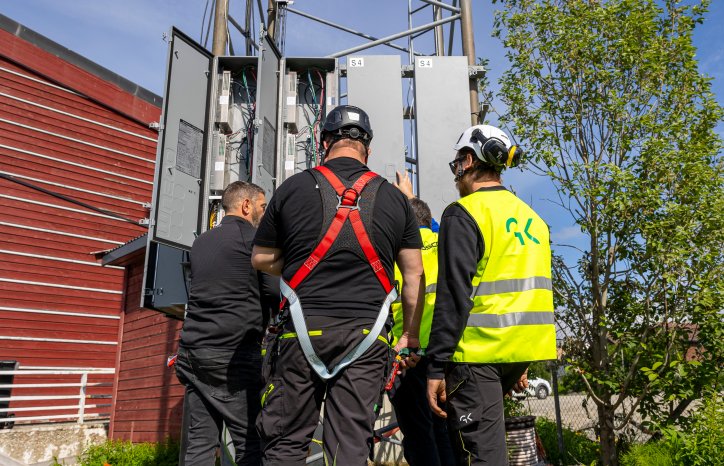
(208, 25)
(203, 20)
(68, 199)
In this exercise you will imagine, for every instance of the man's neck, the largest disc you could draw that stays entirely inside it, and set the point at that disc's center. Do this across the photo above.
(345, 152)
(484, 184)
(236, 213)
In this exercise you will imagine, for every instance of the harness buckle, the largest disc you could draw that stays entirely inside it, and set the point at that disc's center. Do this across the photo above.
(348, 200)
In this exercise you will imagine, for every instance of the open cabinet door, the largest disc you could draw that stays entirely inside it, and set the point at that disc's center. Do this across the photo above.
(181, 157)
(264, 167)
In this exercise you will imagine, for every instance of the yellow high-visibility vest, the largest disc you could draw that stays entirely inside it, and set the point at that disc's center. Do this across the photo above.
(512, 315)
(429, 264)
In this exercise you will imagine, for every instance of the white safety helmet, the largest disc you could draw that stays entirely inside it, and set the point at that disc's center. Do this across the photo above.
(490, 145)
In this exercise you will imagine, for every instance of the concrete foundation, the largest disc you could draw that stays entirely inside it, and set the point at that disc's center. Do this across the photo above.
(42, 445)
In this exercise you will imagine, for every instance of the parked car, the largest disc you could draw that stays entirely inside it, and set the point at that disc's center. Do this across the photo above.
(539, 388)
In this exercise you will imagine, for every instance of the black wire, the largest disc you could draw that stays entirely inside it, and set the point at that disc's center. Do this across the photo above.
(203, 20)
(66, 198)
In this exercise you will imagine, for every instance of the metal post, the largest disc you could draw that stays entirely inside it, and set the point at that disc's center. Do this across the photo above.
(557, 408)
(218, 46)
(451, 34)
(271, 14)
(82, 394)
(439, 37)
(247, 26)
(466, 20)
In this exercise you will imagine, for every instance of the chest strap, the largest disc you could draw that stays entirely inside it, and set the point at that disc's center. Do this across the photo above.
(347, 209)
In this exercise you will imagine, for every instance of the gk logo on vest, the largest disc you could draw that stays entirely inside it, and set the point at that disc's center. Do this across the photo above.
(467, 418)
(513, 220)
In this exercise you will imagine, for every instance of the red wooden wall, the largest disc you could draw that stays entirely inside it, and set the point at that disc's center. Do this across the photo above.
(149, 398)
(65, 129)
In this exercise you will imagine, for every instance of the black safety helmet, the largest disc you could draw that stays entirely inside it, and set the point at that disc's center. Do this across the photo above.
(348, 121)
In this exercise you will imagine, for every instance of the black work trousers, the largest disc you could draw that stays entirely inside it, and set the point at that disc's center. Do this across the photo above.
(425, 439)
(222, 388)
(476, 419)
(294, 394)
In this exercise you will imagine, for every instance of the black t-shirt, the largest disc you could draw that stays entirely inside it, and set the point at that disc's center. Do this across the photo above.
(342, 285)
(229, 302)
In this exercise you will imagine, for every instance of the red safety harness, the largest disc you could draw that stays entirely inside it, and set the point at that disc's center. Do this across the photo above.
(347, 208)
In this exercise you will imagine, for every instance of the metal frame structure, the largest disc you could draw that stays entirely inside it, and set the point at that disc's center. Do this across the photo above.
(273, 23)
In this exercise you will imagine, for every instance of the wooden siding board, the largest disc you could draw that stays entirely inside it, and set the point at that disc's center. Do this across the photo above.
(59, 71)
(61, 206)
(101, 183)
(101, 274)
(72, 123)
(29, 318)
(22, 82)
(19, 146)
(42, 131)
(21, 299)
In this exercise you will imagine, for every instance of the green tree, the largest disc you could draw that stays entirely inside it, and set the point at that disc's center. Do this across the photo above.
(608, 99)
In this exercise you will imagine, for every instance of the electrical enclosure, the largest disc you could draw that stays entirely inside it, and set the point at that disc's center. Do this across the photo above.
(310, 90)
(180, 157)
(374, 85)
(165, 283)
(442, 113)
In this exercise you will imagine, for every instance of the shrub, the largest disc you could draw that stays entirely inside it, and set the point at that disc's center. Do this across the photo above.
(700, 444)
(579, 448)
(649, 454)
(703, 440)
(120, 453)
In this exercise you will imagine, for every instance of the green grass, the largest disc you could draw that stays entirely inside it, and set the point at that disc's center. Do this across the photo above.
(120, 453)
(579, 448)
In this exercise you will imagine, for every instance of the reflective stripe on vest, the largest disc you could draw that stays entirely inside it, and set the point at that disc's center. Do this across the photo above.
(512, 315)
(429, 264)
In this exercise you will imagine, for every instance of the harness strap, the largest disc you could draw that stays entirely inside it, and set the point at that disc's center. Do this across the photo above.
(295, 309)
(347, 208)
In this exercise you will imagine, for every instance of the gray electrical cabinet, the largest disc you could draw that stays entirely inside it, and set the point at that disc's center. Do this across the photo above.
(374, 84)
(165, 285)
(442, 110)
(180, 157)
(219, 125)
(264, 158)
(309, 89)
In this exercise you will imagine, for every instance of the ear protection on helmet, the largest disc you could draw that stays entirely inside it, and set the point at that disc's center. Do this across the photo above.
(495, 152)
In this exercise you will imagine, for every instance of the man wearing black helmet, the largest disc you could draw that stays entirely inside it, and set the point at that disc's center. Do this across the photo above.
(333, 233)
(494, 307)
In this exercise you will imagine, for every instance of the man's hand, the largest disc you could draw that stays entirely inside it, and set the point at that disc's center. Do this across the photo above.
(407, 341)
(435, 393)
(522, 382)
(404, 184)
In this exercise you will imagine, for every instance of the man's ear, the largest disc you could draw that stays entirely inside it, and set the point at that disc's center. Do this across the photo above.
(246, 206)
(469, 159)
(325, 144)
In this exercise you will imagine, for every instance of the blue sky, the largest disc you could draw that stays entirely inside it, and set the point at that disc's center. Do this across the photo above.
(126, 37)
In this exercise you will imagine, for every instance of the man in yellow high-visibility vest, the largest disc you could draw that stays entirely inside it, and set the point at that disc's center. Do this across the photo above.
(494, 308)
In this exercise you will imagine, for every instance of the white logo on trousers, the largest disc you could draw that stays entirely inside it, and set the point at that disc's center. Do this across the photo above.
(467, 418)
